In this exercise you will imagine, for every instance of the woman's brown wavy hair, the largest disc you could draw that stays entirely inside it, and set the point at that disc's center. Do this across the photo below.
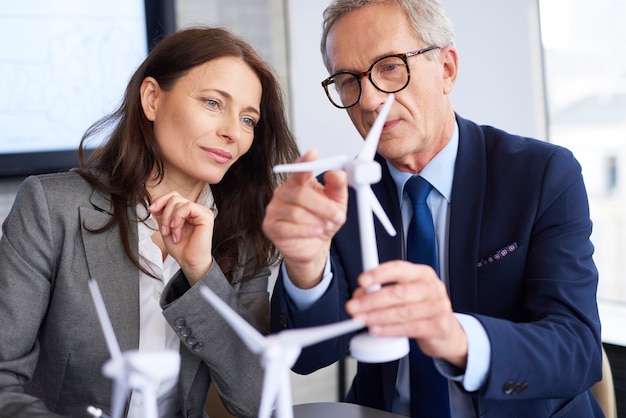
(130, 154)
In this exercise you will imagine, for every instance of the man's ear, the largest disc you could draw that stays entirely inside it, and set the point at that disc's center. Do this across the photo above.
(449, 59)
(149, 93)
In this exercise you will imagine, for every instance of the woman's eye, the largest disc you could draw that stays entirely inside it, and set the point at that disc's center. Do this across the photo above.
(213, 104)
(249, 122)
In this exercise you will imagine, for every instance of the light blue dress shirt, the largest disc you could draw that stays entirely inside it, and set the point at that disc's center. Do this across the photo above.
(439, 172)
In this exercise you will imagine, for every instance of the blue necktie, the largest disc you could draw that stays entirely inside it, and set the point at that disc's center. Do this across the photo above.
(429, 389)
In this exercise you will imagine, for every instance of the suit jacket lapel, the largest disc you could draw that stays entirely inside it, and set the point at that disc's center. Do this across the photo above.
(107, 263)
(467, 200)
(389, 247)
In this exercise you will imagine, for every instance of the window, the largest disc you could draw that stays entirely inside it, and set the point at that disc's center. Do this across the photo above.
(585, 67)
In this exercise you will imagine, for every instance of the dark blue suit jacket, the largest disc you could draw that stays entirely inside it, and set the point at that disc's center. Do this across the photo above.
(520, 261)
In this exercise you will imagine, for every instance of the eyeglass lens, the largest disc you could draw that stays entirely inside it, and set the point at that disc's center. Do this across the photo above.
(389, 75)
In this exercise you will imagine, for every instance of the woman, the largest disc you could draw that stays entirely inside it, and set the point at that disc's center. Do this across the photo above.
(173, 199)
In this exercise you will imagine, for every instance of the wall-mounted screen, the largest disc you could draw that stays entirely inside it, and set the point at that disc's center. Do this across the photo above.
(64, 64)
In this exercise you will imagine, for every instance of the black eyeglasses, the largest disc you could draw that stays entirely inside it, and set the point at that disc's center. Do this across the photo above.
(388, 74)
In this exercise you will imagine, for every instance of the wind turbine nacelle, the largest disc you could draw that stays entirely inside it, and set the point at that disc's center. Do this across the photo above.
(364, 172)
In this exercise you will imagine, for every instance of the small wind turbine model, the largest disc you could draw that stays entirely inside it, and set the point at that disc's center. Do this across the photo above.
(278, 352)
(131, 370)
(363, 171)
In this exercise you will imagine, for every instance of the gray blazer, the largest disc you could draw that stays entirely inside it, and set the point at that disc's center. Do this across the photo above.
(51, 345)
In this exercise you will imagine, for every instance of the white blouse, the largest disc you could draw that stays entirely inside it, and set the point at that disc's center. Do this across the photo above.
(155, 333)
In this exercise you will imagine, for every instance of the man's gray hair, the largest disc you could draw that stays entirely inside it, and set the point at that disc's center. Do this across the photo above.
(427, 17)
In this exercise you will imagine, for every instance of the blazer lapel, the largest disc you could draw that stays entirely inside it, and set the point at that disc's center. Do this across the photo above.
(467, 200)
(117, 277)
(389, 246)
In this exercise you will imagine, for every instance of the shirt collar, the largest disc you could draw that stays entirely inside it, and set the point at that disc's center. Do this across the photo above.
(206, 199)
(439, 172)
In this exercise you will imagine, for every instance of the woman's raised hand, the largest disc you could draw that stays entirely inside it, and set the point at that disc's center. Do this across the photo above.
(187, 231)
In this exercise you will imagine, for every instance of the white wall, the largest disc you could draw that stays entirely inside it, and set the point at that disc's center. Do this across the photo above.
(316, 123)
(500, 81)
(500, 72)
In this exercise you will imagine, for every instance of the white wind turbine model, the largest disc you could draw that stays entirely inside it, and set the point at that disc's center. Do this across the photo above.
(278, 352)
(132, 370)
(363, 171)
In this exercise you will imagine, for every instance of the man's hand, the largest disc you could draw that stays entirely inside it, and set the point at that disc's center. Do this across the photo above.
(302, 218)
(412, 302)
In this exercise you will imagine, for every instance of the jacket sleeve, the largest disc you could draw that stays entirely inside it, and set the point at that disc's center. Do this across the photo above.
(25, 279)
(235, 371)
(328, 309)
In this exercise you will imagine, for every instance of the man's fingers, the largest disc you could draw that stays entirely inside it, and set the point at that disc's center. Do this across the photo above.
(395, 271)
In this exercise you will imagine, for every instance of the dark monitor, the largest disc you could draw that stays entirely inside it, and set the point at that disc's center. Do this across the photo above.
(63, 66)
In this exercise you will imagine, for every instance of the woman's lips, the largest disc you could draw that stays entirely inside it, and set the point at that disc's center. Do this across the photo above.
(218, 155)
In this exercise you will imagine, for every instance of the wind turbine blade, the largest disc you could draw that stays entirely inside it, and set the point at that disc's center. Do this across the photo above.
(331, 163)
(120, 392)
(271, 387)
(379, 211)
(105, 321)
(248, 334)
(304, 337)
(373, 136)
